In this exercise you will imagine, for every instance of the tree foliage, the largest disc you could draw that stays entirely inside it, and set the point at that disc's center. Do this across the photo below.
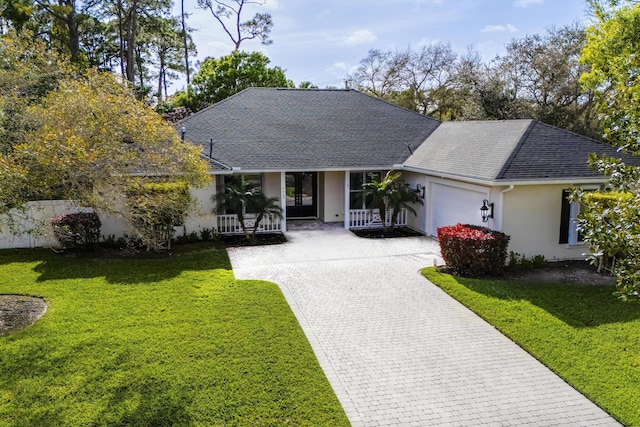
(241, 198)
(390, 193)
(89, 139)
(220, 78)
(29, 71)
(155, 208)
(612, 49)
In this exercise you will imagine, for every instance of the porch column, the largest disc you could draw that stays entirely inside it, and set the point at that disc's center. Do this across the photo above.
(283, 201)
(347, 208)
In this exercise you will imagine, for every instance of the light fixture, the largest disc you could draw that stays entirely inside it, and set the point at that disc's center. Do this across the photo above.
(420, 189)
(486, 211)
(183, 130)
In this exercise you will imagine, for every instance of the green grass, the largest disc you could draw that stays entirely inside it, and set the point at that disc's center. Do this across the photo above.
(174, 341)
(583, 333)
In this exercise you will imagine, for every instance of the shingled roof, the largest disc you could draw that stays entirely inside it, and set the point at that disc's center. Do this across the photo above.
(302, 129)
(509, 151)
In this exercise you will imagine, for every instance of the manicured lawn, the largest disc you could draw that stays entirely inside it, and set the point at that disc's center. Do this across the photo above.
(582, 333)
(174, 341)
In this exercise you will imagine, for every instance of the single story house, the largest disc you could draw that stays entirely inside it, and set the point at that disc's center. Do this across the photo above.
(313, 149)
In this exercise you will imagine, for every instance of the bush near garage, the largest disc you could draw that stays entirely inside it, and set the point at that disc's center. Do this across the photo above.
(77, 230)
(471, 250)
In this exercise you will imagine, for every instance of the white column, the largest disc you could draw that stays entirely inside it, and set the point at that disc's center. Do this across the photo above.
(283, 200)
(347, 183)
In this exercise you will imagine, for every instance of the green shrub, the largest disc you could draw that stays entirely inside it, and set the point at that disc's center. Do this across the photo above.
(470, 250)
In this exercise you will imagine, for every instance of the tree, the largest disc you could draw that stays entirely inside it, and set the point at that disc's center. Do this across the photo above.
(240, 198)
(90, 141)
(155, 208)
(30, 70)
(544, 71)
(389, 193)
(218, 79)
(231, 10)
(611, 50)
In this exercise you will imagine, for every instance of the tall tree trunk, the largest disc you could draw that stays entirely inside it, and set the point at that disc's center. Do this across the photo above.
(160, 79)
(131, 40)
(186, 46)
(123, 58)
(74, 37)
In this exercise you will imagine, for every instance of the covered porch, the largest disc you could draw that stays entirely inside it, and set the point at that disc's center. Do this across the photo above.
(311, 195)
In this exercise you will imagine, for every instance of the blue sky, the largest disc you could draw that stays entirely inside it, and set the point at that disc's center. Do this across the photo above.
(323, 40)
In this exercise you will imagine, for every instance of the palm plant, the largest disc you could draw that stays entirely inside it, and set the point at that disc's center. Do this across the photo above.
(240, 198)
(392, 194)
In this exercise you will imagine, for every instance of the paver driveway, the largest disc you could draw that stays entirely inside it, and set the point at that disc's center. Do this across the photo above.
(399, 351)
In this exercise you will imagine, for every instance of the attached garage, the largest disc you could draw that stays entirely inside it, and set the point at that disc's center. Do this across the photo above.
(451, 205)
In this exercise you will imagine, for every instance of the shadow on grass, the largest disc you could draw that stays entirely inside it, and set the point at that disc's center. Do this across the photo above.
(580, 306)
(124, 270)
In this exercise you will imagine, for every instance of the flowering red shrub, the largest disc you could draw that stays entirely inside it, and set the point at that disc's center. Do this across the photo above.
(470, 250)
(77, 230)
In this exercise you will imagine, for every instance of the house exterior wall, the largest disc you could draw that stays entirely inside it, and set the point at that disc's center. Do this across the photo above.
(532, 215)
(271, 184)
(419, 220)
(331, 196)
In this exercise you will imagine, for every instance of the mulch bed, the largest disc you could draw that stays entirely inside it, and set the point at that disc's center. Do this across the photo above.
(379, 233)
(19, 311)
(260, 240)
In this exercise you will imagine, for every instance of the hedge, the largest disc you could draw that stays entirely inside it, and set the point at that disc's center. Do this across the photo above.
(471, 250)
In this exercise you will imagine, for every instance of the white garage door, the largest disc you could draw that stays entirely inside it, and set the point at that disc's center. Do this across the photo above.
(453, 205)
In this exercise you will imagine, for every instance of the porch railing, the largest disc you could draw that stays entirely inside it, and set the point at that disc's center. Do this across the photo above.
(370, 218)
(229, 224)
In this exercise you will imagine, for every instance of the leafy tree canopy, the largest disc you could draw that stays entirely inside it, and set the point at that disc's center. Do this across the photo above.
(612, 49)
(89, 140)
(220, 78)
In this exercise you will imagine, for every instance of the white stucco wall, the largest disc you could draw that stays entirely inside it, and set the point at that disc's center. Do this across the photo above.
(532, 216)
(331, 196)
(418, 221)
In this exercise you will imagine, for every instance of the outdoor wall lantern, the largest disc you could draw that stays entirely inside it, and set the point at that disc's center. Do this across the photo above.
(183, 130)
(420, 191)
(486, 211)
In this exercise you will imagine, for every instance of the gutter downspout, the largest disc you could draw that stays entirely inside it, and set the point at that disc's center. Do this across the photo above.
(501, 217)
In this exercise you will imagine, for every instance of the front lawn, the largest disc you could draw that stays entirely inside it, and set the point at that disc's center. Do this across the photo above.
(167, 341)
(583, 333)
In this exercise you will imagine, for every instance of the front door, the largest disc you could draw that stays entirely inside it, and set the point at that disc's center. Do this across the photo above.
(301, 194)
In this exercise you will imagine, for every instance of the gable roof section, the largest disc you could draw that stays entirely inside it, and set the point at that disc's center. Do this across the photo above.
(546, 152)
(474, 149)
(510, 151)
(302, 129)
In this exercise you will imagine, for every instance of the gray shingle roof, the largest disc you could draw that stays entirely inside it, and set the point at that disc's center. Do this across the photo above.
(511, 150)
(474, 149)
(278, 129)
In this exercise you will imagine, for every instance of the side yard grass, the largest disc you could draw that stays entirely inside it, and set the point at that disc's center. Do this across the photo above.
(171, 341)
(582, 333)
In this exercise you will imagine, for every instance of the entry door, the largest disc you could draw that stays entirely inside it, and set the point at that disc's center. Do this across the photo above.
(301, 194)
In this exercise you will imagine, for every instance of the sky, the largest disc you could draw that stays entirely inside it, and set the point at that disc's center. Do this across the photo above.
(322, 41)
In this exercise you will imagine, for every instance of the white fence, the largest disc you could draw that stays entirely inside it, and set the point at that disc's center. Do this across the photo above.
(229, 224)
(370, 218)
(31, 227)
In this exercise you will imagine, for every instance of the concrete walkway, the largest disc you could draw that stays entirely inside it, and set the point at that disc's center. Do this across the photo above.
(397, 350)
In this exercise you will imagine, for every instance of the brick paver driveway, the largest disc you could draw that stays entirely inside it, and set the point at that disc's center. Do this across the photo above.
(399, 351)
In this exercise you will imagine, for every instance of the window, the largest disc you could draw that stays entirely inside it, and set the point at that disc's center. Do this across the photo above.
(569, 233)
(252, 182)
(356, 193)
